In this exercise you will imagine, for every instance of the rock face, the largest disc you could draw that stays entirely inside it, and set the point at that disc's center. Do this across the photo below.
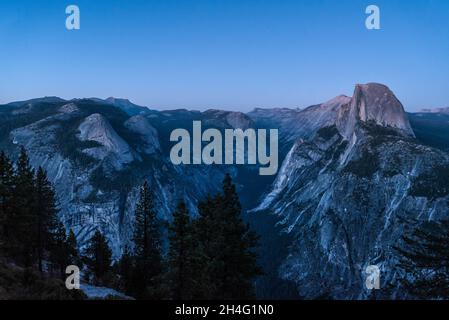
(373, 103)
(297, 123)
(227, 119)
(345, 196)
(96, 128)
(150, 139)
(97, 157)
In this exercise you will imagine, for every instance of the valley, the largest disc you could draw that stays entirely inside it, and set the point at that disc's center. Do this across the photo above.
(354, 173)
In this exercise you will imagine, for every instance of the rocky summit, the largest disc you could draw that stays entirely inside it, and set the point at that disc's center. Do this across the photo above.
(346, 196)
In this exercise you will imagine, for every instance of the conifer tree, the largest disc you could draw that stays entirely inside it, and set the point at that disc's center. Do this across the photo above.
(45, 212)
(147, 247)
(72, 250)
(6, 194)
(209, 240)
(98, 257)
(240, 261)
(125, 268)
(59, 254)
(227, 247)
(182, 259)
(63, 250)
(22, 222)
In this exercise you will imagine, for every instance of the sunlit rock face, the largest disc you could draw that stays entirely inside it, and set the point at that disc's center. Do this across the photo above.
(373, 103)
(96, 128)
(300, 123)
(346, 195)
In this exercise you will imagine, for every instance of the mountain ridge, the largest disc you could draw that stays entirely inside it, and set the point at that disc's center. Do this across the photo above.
(346, 153)
(344, 194)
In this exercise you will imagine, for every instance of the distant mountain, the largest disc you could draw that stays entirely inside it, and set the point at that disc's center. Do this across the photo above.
(436, 110)
(345, 196)
(37, 100)
(126, 105)
(431, 128)
(295, 123)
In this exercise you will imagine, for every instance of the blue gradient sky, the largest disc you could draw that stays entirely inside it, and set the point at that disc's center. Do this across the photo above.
(230, 54)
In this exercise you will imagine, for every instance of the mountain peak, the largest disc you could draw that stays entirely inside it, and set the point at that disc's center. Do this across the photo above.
(117, 100)
(126, 105)
(337, 101)
(46, 99)
(374, 102)
(436, 110)
(97, 128)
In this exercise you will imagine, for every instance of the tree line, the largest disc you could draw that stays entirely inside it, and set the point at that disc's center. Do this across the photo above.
(209, 257)
(30, 232)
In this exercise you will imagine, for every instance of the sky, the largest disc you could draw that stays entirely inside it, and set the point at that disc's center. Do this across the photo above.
(227, 54)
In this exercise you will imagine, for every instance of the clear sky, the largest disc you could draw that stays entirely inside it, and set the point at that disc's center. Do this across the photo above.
(230, 54)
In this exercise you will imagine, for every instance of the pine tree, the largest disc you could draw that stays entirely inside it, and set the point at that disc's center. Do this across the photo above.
(147, 247)
(22, 222)
(6, 193)
(72, 250)
(59, 253)
(182, 259)
(45, 212)
(240, 261)
(209, 240)
(63, 250)
(125, 268)
(227, 247)
(98, 257)
(424, 258)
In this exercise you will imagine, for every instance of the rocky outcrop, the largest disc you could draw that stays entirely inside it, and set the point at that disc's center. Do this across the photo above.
(227, 119)
(148, 134)
(96, 128)
(373, 103)
(127, 106)
(296, 123)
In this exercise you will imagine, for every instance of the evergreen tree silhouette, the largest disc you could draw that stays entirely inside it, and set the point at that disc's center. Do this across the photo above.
(23, 219)
(227, 248)
(72, 250)
(98, 257)
(238, 253)
(6, 195)
(45, 212)
(147, 247)
(59, 255)
(125, 268)
(182, 256)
